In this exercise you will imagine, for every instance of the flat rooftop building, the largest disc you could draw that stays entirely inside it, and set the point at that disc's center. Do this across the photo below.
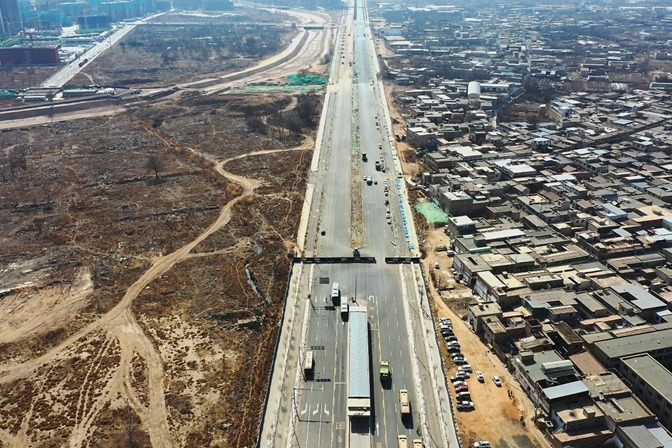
(656, 343)
(652, 383)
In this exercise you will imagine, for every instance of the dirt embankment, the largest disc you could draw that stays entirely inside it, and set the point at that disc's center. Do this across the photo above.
(145, 262)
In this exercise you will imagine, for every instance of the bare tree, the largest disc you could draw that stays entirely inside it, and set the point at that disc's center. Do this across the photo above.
(154, 163)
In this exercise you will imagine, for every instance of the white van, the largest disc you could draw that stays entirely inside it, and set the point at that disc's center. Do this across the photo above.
(335, 292)
(345, 307)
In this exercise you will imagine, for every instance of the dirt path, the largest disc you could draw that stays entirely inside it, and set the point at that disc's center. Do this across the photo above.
(120, 325)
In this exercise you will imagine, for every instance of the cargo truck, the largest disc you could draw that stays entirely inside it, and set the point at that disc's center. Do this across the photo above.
(404, 403)
(384, 371)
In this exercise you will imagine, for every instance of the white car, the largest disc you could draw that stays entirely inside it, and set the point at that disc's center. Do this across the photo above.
(479, 376)
(389, 221)
(497, 381)
(436, 265)
(482, 444)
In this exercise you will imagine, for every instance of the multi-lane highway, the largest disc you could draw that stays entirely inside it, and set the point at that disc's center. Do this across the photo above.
(341, 211)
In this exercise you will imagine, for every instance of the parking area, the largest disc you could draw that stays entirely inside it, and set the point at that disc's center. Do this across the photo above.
(496, 412)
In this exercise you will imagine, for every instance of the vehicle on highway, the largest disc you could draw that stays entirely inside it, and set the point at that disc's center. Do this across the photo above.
(335, 293)
(308, 364)
(479, 376)
(417, 443)
(359, 375)
(380, 146)
(464, 405)
(365, 178)
(387, 202)
(389, 221)
(497, 381)
(482, 444)
(364, 158)
(402, 441)
(404, 402)
(459, 383)
(345, 307)
(369, 181)
(385, 374)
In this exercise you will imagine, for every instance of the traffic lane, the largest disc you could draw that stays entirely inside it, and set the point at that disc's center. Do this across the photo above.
(334, 215)
(318, 405)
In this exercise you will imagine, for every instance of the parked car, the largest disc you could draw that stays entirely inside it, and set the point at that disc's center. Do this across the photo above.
(482, 444)
(460, 361)
(463, 395)
(497, 381)
(459, 383)
(451, 338)
(463, 405)
(445, 320)
(459, 389)
(457, 377)
(447, 332)
(479, 376)
(457, 356)
(465, 368)
(454, 350)
(453, 271)
(436, 265)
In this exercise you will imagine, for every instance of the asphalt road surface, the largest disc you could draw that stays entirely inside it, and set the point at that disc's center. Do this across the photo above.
(312, 411)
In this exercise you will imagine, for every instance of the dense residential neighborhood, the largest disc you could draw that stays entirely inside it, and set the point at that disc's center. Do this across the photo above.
(545, 134)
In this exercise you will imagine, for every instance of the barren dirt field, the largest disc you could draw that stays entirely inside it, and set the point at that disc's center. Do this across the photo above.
(183, 47)
(19, 77)
(142, 270)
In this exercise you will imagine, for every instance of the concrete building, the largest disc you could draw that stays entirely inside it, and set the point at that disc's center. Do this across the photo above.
(652, 383)
(656, 343)
(10, 18)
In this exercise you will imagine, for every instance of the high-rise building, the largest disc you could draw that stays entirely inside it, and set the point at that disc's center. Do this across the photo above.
(10, 18)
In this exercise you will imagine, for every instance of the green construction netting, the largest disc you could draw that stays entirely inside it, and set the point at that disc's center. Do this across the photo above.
(432, 213)
(303, 80)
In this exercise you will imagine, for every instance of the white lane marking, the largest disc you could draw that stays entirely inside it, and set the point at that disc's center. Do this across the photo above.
(305, 409)
(325, 410)
(316, 410)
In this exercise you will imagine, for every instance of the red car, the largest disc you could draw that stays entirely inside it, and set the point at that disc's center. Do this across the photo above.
(462, 389)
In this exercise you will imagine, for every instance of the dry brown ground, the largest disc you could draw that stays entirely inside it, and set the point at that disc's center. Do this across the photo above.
(18, 77)
(122, 296)
(163, 55)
